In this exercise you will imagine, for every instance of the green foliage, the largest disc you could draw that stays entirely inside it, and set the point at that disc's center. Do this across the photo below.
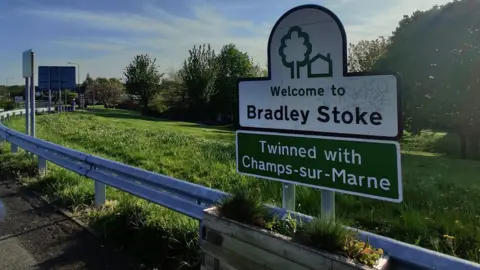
(12, 165)
(437, 54)
(320, 234)
(155, 236)
(158, 104)
(243, 206)
(12, 90)
(70, 96)
(206, 85)
(172, 97)
(199, 74)
(89, 90)
(232, 65)
(7, 104)
(360, 251)
(364, 55)
(247, 207)
(143, 78)
(110, 91)
(336, 238)
(288, 225)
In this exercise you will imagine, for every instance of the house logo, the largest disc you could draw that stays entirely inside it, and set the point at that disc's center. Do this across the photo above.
(295, 51)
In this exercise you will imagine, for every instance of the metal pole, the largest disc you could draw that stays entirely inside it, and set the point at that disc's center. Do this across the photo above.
(59, 92)
(100, 194)
(13, 148)
(42, 166)
(77, 81)
(49, 100)
(288, 201)
(80, 96)
(59, 100)
(27, 107)
(32, 98)
(49, 91)
(328, 205)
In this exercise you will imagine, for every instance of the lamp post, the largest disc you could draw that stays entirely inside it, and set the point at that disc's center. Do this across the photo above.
(78, 83)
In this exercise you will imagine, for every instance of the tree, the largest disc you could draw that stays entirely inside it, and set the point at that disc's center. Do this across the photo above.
(12, 90)
(295, 48)
(264, 72)
(88, 90)
(199, 74)
(437, 53)
(364, 55)
(172, 97)
(143, 78)
(232, 65)
(113, 92)
(68, 96)
(110, 92)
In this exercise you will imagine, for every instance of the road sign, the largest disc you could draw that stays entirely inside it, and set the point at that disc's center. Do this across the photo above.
(308, 89)
(27, 64)
(57, 78)
(361, 167)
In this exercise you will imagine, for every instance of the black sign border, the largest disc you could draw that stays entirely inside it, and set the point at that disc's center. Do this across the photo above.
(399, 134)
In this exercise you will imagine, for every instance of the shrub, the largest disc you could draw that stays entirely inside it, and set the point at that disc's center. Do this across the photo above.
(7, 104)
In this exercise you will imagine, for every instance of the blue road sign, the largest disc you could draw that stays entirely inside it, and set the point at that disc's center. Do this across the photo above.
(57, 78)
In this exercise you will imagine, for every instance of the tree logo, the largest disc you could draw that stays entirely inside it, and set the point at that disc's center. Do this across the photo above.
(295, 49)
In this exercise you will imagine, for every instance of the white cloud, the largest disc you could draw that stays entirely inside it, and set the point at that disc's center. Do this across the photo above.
(383, 22)
(168, 37)
(98, 45)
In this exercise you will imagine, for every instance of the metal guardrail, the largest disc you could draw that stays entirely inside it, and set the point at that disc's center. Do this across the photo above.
(185, 197)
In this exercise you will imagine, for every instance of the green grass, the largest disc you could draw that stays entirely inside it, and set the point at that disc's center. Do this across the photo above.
(441, 193)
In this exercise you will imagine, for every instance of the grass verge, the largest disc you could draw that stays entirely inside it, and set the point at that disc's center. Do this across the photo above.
(441, 194)
(155, 237)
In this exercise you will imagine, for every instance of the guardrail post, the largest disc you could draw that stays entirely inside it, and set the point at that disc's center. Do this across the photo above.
(328, 205)
(13, 148)
(100, 194)
(42, 166)
(288, 198)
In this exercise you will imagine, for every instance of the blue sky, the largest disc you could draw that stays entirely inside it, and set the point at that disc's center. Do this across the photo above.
(103, 36)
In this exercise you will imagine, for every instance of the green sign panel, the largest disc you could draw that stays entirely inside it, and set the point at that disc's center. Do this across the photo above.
(360, 167)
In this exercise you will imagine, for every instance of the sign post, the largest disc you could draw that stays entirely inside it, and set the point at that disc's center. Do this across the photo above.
(32, 98)
(27, 72)
(314, 123)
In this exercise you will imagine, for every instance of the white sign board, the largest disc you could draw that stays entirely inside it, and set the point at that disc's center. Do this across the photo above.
(309, 90)
(27, 64)
(18, 98)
